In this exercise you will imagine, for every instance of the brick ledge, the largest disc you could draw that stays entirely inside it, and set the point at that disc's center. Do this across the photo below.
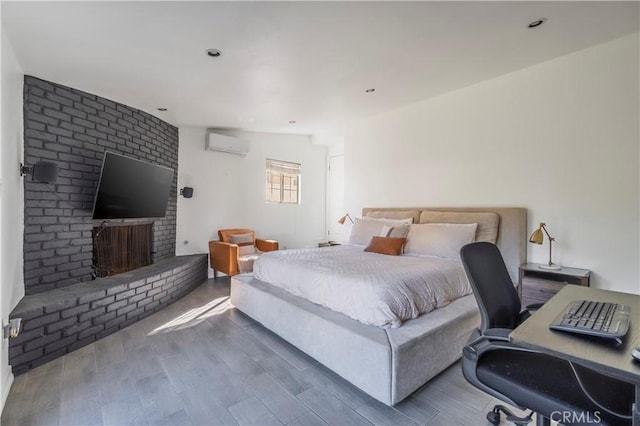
(59, 321)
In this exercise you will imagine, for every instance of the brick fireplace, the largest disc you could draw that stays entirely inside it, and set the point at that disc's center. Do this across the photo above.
(86, 279)
(73, 129)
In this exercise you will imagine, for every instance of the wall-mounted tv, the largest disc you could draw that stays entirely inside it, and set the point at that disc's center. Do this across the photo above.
(130, 188)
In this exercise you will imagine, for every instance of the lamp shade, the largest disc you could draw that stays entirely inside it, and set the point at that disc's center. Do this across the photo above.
(343, 219)
(537, 236)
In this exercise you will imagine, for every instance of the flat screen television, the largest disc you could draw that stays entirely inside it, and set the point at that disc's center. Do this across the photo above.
(130, 188)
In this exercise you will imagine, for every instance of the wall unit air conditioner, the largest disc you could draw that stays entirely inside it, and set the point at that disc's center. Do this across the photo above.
(223, 143)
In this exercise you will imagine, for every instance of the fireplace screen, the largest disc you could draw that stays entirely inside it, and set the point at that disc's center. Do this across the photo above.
(121, 248)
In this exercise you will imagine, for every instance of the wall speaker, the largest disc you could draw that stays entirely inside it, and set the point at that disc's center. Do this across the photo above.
(187, 192)
(42, 171)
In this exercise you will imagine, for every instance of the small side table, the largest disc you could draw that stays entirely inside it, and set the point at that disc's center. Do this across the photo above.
(538, 285)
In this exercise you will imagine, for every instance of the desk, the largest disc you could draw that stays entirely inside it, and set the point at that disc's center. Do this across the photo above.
(605, 356)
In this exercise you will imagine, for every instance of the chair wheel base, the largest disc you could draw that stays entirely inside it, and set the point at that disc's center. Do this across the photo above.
(494, 416)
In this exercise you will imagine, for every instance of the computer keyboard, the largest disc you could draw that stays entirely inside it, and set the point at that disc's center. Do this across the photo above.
(600, 319)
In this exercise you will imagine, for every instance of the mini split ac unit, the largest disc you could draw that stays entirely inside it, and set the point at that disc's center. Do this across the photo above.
(224, 143)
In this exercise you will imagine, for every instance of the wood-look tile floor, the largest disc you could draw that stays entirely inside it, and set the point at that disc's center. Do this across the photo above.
(200, 361)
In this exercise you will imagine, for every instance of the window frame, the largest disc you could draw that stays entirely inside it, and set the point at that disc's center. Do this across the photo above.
(286, 170)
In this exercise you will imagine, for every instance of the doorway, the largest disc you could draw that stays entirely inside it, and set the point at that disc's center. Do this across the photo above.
(336, 198)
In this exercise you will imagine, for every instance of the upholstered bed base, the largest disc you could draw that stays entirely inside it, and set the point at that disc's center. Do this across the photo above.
(388, 364)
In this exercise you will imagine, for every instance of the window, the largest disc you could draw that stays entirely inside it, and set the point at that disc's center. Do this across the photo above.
(283, 182)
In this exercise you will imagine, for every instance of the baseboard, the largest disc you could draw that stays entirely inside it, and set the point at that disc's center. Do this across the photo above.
(6, 388)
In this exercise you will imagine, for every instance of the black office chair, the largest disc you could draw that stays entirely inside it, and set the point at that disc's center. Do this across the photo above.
(551, 387)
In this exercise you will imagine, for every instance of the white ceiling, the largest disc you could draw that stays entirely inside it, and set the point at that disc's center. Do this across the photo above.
(305, 61)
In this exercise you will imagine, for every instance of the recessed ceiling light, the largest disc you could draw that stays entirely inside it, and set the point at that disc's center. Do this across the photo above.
(370, 90)
(537, 22)
(214, 53)
(292, 122)
(162, 109)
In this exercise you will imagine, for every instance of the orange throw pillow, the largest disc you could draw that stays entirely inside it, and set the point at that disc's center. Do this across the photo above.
(386, 245)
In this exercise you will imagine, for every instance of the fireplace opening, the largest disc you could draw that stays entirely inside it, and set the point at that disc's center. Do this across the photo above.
(120, 248)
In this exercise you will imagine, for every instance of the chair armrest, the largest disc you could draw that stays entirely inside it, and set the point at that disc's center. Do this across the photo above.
(491, 338)
(534, 306)
(224, 257)
(498, 333)
(266, 245)
(479, 342)
(492, 334)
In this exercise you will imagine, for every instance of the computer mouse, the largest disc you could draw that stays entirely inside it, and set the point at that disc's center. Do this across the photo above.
(635, 353)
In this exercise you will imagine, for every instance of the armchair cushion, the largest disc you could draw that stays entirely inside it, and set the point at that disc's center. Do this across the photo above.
(246, 251)
(245, 243)
(242, 239)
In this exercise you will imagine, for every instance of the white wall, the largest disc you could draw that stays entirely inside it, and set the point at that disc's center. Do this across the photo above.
(229, 191)
(11, 200)
(560, 138)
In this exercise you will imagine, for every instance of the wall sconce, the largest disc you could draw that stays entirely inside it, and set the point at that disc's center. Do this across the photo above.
(344, 218)
(538, 238)
(187, 192)
(42, 171)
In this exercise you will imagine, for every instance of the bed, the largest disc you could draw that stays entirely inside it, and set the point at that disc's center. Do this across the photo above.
(387, 363)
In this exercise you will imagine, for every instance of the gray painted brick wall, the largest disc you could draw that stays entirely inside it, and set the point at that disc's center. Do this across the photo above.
(73, 129)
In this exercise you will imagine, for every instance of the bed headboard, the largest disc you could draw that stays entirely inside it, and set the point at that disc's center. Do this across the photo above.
(512, 228)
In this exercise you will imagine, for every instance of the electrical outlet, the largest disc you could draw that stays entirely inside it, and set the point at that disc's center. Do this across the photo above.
(13, 328)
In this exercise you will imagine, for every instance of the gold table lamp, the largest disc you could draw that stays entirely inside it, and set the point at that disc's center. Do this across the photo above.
(537, 237)
(344, 218)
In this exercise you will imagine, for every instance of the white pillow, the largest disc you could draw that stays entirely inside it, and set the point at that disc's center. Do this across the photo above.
(385, 231)
(392, 222)
(394, 231)
(364, 229)
(440, 239)
(399, 231)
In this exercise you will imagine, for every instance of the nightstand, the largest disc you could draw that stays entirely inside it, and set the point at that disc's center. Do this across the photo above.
(328, 244)
(539, 285)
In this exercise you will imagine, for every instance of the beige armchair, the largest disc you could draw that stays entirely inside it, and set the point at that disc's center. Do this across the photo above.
(235, 251)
